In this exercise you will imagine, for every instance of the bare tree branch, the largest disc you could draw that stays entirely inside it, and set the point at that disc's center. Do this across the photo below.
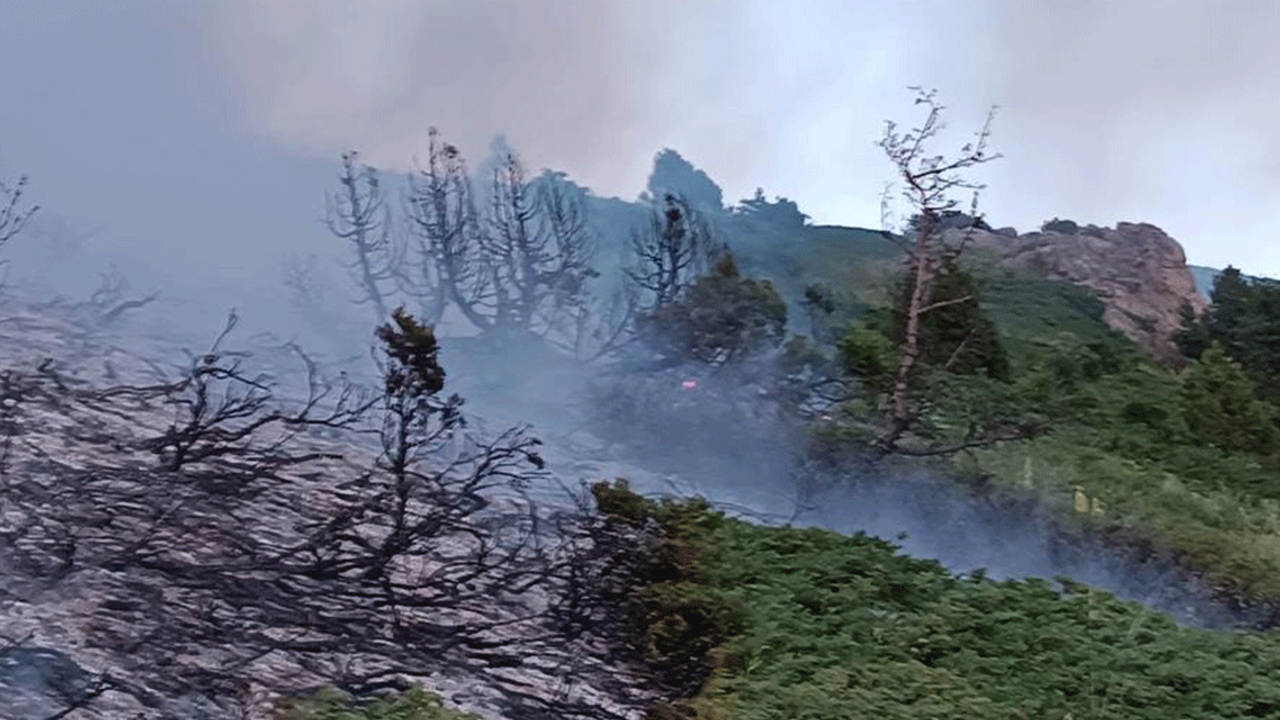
(673, 249)
(359, 215)
(929, 184)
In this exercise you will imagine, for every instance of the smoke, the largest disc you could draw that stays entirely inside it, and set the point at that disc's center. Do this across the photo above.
(592, 88)
(1135, 110)
(1111, 110)
(568, 81)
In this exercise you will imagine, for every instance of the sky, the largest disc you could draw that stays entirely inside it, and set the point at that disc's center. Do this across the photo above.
(200, 135)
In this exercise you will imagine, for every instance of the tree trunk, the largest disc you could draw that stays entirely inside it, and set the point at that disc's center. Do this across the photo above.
(921, 287)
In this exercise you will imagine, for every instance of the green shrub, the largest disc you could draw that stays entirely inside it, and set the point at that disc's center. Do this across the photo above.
(332, 704)
(1066, 227)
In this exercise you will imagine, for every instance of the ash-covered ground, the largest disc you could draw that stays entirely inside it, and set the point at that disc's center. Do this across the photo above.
(139, 609)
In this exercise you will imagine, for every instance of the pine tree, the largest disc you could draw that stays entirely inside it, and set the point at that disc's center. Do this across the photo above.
(1221, 408)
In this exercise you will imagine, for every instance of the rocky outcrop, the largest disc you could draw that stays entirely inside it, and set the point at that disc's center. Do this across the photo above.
(1137, 270)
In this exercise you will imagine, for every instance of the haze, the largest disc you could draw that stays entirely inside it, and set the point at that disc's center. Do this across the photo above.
(198, 137)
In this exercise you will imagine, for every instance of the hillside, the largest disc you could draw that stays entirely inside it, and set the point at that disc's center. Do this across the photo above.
(1138, 272)
(1083, 501)
(1124, 472)
(1120, 433)
(819, 625)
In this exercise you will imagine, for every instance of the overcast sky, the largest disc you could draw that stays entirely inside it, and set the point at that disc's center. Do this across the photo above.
(201, 131)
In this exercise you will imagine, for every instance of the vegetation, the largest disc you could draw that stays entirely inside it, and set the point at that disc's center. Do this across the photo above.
(956, 335)
(14, 211)
(1243, 319)
(719, 319)
(333, 704)
(919, 352)
(809, 623)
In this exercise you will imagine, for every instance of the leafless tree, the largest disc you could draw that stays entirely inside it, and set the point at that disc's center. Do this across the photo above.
(108, 303)
(539, 248)
(222, 412)
(448, 266)
(929, 185)
(13, 215)
(358, 214)
(299, 278)
(521, 269)
(605, 326)
(670, 251)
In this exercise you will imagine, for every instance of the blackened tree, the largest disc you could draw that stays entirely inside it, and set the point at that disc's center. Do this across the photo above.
(448, 265)
(14, 214)
(539, 249)
(670, 251)
(521, 269)
(358, 214)
(351, 563)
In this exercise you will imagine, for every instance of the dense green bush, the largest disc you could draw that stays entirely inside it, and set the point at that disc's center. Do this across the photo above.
(1221, 408)
(1066, 227)
(682, 619)
(332, 704)
(842, 627)
(867, 353)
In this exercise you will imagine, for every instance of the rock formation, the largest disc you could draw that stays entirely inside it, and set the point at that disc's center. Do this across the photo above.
(1137, 270)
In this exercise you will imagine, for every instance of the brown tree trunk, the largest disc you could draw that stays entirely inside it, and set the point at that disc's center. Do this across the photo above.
(921, 288)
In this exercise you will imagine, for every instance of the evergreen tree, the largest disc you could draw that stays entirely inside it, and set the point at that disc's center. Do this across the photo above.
(956, 335)
(720, 318)
(1221, 408)
(1244, 319)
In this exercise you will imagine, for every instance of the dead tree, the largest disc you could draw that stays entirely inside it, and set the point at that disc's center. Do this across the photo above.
(309, 296)
(670, 252)
(521, 269)
(223, 412)
(305, 290)
(449, 266)
(539, 248)
(13, 216)
(929, 184)
(358, 214)
(605, 326)
(108, 303)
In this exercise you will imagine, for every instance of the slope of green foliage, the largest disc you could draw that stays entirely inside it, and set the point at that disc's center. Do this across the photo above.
(1039, 317)
(1185, 459)
(842, 627)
